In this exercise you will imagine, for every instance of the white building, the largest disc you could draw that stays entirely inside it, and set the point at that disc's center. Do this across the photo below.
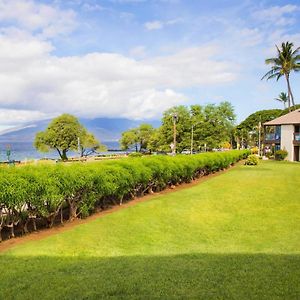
(285, 134)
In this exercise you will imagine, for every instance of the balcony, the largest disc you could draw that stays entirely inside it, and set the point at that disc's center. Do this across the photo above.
(297, 138)
(272, 138)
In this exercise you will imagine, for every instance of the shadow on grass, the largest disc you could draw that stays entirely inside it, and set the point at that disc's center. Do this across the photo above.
(197, 276)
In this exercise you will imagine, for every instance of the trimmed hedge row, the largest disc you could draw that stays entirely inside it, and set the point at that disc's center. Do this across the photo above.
(49, 194)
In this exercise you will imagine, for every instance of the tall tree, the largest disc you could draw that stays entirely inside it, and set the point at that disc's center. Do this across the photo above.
(129, 139)
(283, 98)
(62, 135)
(183, 128)
(217, 125)
(287, 60)
(137, 137)
(246, 132)
(89, 144)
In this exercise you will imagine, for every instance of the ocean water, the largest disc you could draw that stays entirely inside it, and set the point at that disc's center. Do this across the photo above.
(26, 151)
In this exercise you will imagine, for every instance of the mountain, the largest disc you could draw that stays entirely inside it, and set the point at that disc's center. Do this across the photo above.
(105, 129)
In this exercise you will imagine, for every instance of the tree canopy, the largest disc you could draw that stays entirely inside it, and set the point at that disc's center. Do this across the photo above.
(137, 138)
(63, 134)
(286, 61)
(212, 126)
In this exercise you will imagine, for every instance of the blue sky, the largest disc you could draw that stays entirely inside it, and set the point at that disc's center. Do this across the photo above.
(136, 58)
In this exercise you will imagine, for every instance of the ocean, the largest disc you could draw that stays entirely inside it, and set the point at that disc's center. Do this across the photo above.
(26, 151)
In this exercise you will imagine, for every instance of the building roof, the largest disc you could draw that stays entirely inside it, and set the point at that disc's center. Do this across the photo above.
(288, 119)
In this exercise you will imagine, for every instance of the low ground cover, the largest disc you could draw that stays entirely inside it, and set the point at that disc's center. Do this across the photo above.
(234, 236)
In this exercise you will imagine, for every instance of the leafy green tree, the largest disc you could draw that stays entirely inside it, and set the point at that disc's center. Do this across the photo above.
(137, 137)
(183, 128)
(144, 132)
(129, 140)
(247, 131)
(89, 144)
(283, 98)
(209, 125)
(154, 143)
(286, 61)
(62, 135)
(215, 125)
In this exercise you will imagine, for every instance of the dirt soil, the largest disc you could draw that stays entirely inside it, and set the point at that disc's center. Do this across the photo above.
(45, 232)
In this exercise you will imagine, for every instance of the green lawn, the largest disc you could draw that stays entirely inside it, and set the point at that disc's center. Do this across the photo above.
(234, 236)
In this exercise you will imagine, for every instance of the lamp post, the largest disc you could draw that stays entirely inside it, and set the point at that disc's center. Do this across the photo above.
(8, 152)
(259, 134)
(192, 139)
(78, 147)
(175, 118)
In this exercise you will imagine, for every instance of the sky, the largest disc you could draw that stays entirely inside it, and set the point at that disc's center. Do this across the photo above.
(137, 58)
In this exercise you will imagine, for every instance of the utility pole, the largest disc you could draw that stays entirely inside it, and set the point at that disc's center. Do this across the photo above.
(259, 134)
(175, 117)
(78, 146)
(192, 139)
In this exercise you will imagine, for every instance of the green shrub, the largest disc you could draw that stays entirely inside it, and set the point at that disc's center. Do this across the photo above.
(135, 154)
(252, 160)
(281, 154)
(52, 193)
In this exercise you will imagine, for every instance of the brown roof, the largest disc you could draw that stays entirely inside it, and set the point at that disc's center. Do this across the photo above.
(290, 118)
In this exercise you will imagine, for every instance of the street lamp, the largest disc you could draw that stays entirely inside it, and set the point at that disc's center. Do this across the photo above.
(173, 145)
(8, 152)
(192, 139)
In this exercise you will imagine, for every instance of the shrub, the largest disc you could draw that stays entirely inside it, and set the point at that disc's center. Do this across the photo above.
(254, 150)
(252, 160)
(135, 154)
(47, 193)
(281, 154)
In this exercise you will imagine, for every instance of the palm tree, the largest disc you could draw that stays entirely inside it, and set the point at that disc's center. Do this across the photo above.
(287, 60)
(283, 98)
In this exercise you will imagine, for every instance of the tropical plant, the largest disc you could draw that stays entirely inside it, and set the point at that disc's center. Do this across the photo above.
(281, 154)
(252, 160)
(283, 98)
(287, 60)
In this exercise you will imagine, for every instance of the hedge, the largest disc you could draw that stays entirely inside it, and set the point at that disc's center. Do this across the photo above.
(45, 195)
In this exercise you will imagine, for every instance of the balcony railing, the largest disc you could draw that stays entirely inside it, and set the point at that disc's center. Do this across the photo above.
(297, 136)
(272, 137)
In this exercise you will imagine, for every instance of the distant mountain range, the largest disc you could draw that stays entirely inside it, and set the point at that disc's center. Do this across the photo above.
(105, 129)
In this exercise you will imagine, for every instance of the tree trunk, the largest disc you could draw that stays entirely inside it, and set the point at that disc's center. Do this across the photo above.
(34, 224)
(59, 153)
(72, 210)
(61, 216)
(290, 94)
(12, 232)
(64, 155)
(25, 226)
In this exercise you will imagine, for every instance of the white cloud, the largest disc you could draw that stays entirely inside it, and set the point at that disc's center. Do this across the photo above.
(154, 25)
(12, 117)
(277, 15)
(250, 37)
(43, 19)
(92, 7)
(138, 51)
(100, 84)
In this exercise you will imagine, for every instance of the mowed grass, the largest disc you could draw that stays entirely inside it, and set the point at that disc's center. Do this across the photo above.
(234, 236)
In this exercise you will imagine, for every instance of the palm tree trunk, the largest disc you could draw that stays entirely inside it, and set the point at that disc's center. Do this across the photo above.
(290, 94)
